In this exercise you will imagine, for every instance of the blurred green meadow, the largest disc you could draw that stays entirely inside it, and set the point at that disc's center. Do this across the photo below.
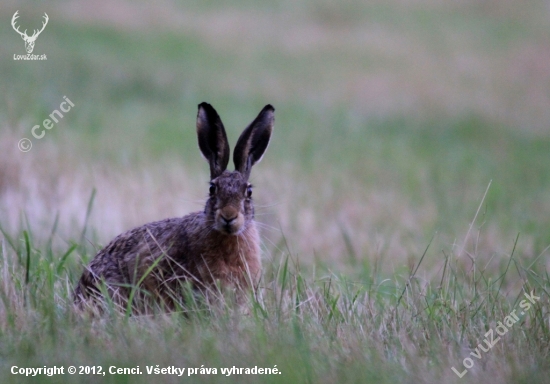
(404, 198)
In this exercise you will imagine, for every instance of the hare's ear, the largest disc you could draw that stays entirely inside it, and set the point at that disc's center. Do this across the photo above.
(212, 139)
(253, 141)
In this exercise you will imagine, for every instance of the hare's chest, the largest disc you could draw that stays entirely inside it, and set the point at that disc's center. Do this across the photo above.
(236, 261)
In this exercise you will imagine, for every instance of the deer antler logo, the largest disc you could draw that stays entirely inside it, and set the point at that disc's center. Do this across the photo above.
(29, 40)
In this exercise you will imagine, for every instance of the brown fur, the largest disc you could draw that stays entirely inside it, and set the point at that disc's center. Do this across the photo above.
(206, 250)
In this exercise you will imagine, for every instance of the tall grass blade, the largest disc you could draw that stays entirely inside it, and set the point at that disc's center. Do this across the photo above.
(88, 212)
(28, 263)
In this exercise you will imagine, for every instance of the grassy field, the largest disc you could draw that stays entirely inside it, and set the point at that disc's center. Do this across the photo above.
(404, 200)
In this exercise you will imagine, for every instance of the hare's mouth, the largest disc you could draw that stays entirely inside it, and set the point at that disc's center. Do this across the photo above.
(229, 229)
(232, 225)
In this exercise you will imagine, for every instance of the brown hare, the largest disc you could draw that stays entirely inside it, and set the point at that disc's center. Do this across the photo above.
(218, 247)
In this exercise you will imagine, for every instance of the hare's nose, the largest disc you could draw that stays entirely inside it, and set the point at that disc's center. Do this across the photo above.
(228, 220)
(229, 215)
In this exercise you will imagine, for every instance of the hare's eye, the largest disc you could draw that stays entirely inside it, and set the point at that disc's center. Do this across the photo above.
(249, 190)
(212, 189)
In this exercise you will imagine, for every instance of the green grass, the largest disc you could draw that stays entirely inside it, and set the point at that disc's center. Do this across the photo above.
(391, 121)
(315, 327)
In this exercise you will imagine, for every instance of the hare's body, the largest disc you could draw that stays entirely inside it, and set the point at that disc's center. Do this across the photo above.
(234, 261)
(218, 247)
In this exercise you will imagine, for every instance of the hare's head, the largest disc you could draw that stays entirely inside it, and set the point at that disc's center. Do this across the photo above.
(229, 207)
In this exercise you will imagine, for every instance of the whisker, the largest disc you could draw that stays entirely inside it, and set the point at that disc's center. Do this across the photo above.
(266, 226)
(275, 204)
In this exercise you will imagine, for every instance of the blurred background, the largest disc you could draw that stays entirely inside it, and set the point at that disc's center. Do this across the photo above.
(392, 119)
